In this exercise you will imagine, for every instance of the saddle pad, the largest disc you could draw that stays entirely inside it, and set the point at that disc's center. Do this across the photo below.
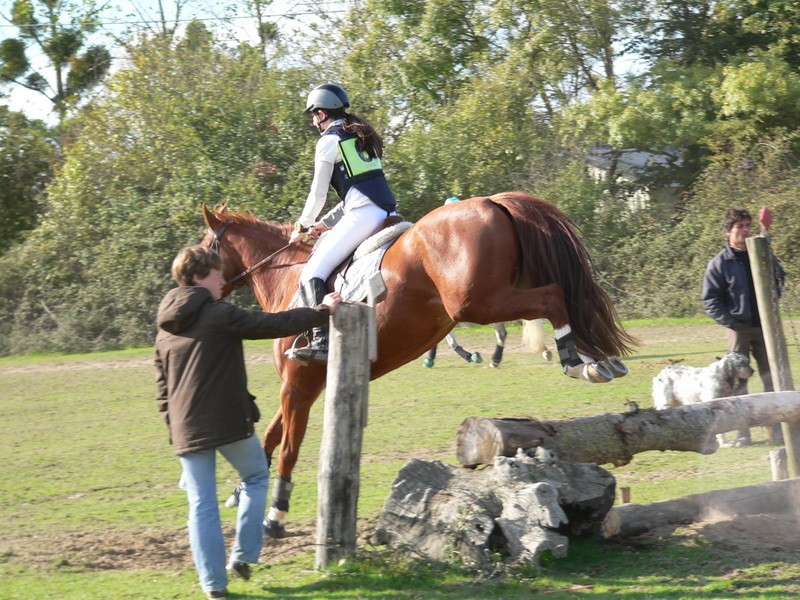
(351, 281)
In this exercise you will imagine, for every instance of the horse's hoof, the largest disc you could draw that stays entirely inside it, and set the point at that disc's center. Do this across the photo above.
(593, 372)
(494, 365)
(427, 362)
(616, 366)
(476, 358)
(233, 499)
(274, 530)
(547, 355)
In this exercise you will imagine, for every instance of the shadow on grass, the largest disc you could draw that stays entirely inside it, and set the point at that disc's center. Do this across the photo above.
(675, 565)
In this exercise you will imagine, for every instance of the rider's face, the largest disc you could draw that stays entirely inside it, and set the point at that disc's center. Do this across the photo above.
(318, 120)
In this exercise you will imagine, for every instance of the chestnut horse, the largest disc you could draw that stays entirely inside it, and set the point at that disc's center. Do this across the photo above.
(482, 260)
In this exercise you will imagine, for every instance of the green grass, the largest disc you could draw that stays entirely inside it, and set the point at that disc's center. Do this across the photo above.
(85, 456)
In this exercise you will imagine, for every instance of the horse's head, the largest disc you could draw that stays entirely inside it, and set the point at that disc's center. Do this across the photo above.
(248, 245)
(218, 224)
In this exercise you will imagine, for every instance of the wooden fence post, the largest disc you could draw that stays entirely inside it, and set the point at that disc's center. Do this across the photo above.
(763, 270)
(344, 418)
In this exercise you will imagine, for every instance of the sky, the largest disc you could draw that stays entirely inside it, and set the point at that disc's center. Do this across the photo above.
(123, 15)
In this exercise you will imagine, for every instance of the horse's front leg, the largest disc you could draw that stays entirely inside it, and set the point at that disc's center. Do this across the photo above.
(296, 405)
(271, 439)
(273, 434)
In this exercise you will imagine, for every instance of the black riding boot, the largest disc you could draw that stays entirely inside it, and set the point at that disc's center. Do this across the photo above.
(317, 350)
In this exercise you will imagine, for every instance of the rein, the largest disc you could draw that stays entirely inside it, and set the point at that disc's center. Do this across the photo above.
(215, 246)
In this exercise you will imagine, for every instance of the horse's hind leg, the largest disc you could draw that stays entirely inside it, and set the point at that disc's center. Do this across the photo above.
(500, 334)
(533, 303)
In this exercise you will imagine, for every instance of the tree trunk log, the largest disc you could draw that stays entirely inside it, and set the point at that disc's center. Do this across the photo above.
(345, 416)
(635, 519)
(517, 509)
(615, 438)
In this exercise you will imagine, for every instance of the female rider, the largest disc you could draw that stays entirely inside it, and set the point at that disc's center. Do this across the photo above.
(347, 158)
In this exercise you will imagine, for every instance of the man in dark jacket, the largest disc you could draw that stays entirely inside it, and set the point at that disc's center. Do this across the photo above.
(729, 297)
(203, 397)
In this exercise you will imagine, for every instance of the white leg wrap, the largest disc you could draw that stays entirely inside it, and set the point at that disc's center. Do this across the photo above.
(279, 516)
(562, 331)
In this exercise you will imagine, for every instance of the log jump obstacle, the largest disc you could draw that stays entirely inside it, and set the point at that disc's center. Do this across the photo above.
(352, 347)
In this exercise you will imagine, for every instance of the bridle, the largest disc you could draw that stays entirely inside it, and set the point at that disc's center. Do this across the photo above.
(214, 245)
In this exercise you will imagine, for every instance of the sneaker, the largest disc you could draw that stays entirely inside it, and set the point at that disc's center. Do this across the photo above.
(239, 569)
(223, 593)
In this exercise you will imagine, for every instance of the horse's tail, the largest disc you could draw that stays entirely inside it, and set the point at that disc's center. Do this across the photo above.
(552, 252)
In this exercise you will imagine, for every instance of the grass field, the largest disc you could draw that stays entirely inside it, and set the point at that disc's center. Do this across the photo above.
(90, 506)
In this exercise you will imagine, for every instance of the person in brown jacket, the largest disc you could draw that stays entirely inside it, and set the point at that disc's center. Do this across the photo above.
(202, 395)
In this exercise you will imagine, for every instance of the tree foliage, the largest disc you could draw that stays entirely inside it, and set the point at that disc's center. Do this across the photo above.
(27, 156)
(183, 125)
(58, 29)
(473, 98)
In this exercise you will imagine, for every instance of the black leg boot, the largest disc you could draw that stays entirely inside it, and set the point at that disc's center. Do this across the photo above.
(317, 350)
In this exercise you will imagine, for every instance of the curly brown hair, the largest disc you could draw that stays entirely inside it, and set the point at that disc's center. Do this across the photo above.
(194, 261)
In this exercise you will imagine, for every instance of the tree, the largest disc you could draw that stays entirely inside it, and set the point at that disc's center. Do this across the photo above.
(58, 29)
(26, 164)
(181, 125)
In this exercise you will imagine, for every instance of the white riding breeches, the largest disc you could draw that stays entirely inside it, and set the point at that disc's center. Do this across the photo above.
(336, 244)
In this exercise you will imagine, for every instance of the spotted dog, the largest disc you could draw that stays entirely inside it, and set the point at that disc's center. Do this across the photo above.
(679, 385)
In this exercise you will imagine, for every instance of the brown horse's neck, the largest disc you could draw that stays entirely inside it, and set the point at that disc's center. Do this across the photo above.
(275, 282)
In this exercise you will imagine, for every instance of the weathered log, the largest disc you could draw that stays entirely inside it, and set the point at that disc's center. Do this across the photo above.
(765, 498)
(338, 478)
(517, 509)
(616, 438)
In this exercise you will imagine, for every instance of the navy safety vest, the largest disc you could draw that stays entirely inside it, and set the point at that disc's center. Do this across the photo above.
(358, 170)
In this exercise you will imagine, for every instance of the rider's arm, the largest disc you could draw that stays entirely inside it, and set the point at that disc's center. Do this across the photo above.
(324, 157)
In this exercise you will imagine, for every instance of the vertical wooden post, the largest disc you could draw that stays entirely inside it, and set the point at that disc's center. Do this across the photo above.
(763, 270)
(344, 416)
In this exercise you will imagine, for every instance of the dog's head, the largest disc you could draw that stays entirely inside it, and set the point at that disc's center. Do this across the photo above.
(736, 367)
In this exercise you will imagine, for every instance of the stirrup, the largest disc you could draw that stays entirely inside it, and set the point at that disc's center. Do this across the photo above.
(292, 354)
(307, 353)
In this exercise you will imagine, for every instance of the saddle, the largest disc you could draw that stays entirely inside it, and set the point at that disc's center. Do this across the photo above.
(351, 277)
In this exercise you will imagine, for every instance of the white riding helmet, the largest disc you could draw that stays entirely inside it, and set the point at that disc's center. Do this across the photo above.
(327, 96)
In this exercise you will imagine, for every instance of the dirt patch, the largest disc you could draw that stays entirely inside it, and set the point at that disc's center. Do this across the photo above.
(149, 549)
(742, 541)
(739, 542)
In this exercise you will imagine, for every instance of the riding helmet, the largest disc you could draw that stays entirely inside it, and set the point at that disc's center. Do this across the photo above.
(327, 96)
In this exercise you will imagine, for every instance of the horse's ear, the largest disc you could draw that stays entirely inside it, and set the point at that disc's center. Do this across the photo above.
(208, 216)
(212, 217)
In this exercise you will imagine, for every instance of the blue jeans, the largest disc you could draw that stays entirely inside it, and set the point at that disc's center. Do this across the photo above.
(205, 529)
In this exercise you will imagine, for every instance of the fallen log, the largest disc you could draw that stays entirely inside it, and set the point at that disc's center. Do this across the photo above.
(517, 509)
(765, 498)
(616, 438)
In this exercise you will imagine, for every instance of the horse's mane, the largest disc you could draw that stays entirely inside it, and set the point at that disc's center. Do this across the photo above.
(249, 219)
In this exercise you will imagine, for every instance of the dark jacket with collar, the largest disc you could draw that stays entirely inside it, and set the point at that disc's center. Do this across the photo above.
(201, 378)
(728, 295)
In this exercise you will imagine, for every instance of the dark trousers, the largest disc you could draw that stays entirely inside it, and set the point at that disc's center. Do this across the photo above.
(750, 341)
(747, 341)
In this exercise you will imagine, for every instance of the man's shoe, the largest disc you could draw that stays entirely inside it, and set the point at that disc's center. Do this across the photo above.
(240, 570)
(223, 593)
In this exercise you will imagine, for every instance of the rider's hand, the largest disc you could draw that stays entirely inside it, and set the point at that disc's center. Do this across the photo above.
(317, 229)
(300, 234)
(332, 300)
